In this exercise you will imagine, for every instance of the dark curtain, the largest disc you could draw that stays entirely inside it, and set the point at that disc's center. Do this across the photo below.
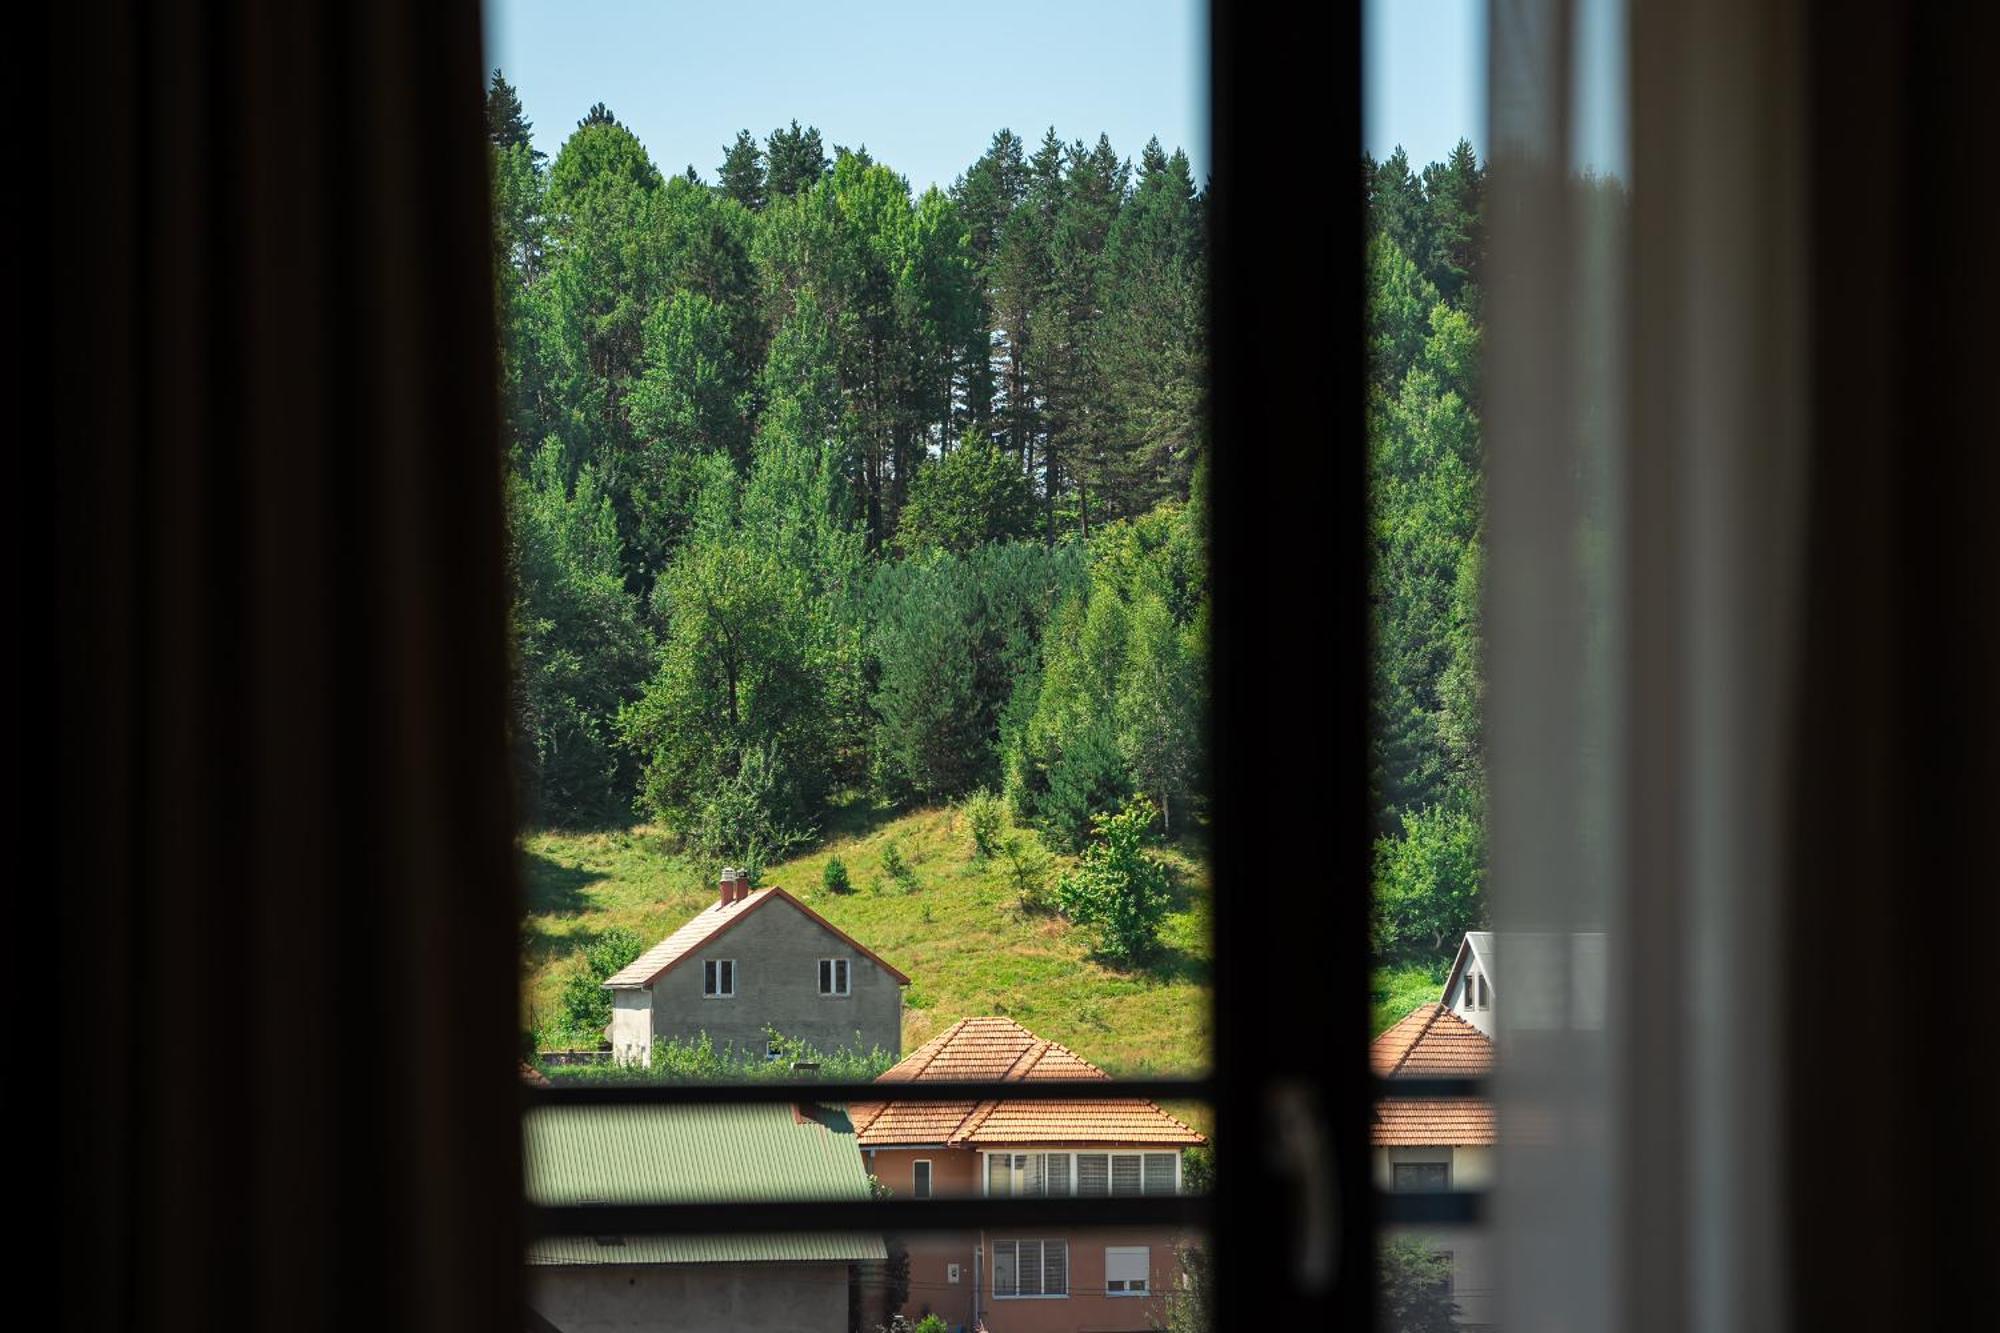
(1894, 908)
(257, 280)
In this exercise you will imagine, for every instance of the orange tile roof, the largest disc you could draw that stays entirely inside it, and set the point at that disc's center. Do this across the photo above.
(713, 921)
(1432, 1042)
(999, 1049)
(1426, 1122)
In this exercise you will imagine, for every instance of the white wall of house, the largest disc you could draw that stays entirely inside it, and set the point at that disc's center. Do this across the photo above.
(632, 1026)
(1472, 1274)
(692, 1298)
(1471, 1168)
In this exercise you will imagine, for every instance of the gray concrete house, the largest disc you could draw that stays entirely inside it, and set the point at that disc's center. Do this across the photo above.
(754, 960)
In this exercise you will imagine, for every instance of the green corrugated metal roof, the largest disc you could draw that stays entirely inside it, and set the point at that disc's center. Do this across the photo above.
(685, 1154)
(786, 1247)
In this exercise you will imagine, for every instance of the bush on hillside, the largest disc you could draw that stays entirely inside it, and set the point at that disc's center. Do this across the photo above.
(1119, 888)
(586, 1005)
(1429, 884)
(986, 819)
(834, 877)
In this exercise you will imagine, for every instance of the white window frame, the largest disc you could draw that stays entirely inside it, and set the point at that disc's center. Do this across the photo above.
(1109, 1154)
(712, 968)
(840, 971)
(1145, 1256)
(930, 1175)
(1019, 1295)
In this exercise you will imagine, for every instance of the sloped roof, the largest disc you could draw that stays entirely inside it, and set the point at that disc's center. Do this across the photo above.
(1001, 1050)
(712, 922)
(1432, 1042)
(689, 1154)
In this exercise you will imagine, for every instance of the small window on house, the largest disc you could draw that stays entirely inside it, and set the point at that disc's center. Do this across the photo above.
(833, 976)
(1127, 1270)
(1030, 1268)
(1126, 1174)
(1419, 1177)
(718, 978)
(1161, 1173)
(1479, 986)
(773, 1051)
(920, 1180)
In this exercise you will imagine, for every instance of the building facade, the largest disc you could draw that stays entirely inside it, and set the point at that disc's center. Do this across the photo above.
(1054, 1280)
(751, 962)
(693, 1284)
(1423, 1144)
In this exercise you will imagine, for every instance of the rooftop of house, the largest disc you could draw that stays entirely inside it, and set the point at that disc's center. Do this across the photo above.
(1001, 1050)
(715, 920)
(1432, 1042)
(691, 1154)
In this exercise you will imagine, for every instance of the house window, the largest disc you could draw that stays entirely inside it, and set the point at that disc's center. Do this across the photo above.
(1127, 1270)
(1479, 982)
(1030, 1268)
(920, 1180)
(834, 978)
(1419, 1177)
(718, 978)
(1093, 1174)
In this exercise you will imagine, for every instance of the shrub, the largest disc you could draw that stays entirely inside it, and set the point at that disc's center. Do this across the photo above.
(1028, 866)
(586, 1005)
(1119, 888)
(740, 821)
(986, 818)
(834, 877)
(1412, 1292)
(1429, 883)
(897, 869)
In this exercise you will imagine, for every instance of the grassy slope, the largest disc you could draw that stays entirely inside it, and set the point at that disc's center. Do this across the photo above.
(1394, 991)
(966, 948)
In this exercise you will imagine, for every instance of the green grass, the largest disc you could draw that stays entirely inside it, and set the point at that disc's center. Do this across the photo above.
(959, 934)
(1395, 990)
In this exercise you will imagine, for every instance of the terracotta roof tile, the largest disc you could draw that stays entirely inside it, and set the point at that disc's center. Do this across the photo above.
(1002, 1050)
(1432, 1042)
(1412, 1122)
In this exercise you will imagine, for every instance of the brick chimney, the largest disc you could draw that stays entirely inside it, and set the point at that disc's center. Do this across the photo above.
(732, 885)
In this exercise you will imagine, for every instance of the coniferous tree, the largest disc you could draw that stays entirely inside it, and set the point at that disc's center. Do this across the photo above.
(741, 175)
(507, 126)
(796, 158)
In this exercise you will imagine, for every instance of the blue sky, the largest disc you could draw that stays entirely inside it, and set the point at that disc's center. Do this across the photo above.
(1424, 77)
(923, 83)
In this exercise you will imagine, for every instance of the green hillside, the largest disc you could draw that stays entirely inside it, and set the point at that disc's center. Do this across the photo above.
(961, 935)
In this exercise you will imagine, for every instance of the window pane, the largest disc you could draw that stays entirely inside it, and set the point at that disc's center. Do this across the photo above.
(1160, 1172)
(1125, 1177)
(1093, 1173)
(1055, 1268)
(998, 1176)
(1056, 1167)
(1005, 1281)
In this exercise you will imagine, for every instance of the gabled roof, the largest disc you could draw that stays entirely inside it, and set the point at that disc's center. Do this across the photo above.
(715, 920)
(689, 1154)
(1432, 1042)
(1001, 1050)
(1477, 944)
